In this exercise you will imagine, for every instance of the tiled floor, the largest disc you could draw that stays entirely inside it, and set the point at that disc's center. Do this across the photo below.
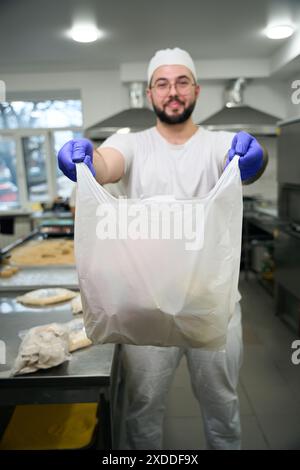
(269, 387)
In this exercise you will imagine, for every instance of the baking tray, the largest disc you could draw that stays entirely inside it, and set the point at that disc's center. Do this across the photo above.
(30, 278)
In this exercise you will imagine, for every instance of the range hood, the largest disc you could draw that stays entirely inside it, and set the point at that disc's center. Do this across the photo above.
(236, 116)
(136, 118)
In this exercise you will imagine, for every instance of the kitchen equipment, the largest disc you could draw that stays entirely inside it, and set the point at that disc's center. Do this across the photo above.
(287, 241)
(236, 115)
(57, 228)
(136, 118)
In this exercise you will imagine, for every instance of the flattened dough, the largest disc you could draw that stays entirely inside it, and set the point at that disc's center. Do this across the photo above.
(48, 296)
(44, 253)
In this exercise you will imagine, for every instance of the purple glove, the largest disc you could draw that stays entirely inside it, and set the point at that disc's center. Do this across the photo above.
(75, 151)
(251, 154)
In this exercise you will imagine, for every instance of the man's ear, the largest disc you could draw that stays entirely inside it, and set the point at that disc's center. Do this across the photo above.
(149, 95)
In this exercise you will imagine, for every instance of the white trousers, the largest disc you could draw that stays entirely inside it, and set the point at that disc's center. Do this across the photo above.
(214, 377)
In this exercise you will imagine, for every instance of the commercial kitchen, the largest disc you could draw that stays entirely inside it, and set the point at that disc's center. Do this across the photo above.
(57, 85)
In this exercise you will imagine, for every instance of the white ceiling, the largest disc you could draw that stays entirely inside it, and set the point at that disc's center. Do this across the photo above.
(33, 32)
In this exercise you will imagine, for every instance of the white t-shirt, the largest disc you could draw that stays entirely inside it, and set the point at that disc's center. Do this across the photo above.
(154, 167)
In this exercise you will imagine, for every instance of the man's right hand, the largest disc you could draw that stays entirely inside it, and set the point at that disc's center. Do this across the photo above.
(75, 151)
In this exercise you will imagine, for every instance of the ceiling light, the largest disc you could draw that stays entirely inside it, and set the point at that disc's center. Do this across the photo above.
(123, 130)
(279, 31)
(85, 33)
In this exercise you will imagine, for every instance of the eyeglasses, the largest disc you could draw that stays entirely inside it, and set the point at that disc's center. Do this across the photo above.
(183, 86)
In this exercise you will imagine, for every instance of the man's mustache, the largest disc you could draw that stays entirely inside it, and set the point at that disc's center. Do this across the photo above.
(174, 100)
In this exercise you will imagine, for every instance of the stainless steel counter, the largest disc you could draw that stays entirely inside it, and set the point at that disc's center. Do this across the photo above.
(93, 363)
(259, 229)
(90, 376)
(51, 215)
(29, 278)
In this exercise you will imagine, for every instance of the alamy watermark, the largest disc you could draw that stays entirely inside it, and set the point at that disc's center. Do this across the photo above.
(295, 97)
(152, 220)
(296, 354)
(2, 91)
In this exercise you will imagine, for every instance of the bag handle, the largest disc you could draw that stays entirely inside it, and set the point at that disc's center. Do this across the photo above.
(88, 183)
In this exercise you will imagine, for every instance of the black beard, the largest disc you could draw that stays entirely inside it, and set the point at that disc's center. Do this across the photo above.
(179, 119)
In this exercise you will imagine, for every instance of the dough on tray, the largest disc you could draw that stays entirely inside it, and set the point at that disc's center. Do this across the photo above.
(44, 253)
(47, 296)
(76, 305)
(8, 271)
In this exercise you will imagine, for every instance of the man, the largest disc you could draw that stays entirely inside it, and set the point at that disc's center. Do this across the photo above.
(174, 157)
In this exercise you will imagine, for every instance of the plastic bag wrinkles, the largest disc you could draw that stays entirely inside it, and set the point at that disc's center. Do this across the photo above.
(163, 291)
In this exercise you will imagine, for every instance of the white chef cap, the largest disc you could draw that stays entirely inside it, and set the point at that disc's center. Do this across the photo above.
(174, 56)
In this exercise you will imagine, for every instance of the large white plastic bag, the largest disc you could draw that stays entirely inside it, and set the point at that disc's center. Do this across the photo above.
(156, 292)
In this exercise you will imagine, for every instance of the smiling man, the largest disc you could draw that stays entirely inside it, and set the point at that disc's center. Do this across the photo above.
(173, 109)
(175, 157)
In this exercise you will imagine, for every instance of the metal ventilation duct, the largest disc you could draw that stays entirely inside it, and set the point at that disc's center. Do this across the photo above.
(136, 118)
(237, 116)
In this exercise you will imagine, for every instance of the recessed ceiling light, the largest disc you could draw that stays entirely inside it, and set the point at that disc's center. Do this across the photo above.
(85, 33)
(279, 31)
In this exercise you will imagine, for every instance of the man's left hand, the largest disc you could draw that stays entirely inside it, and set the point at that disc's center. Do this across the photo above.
(251, 154)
